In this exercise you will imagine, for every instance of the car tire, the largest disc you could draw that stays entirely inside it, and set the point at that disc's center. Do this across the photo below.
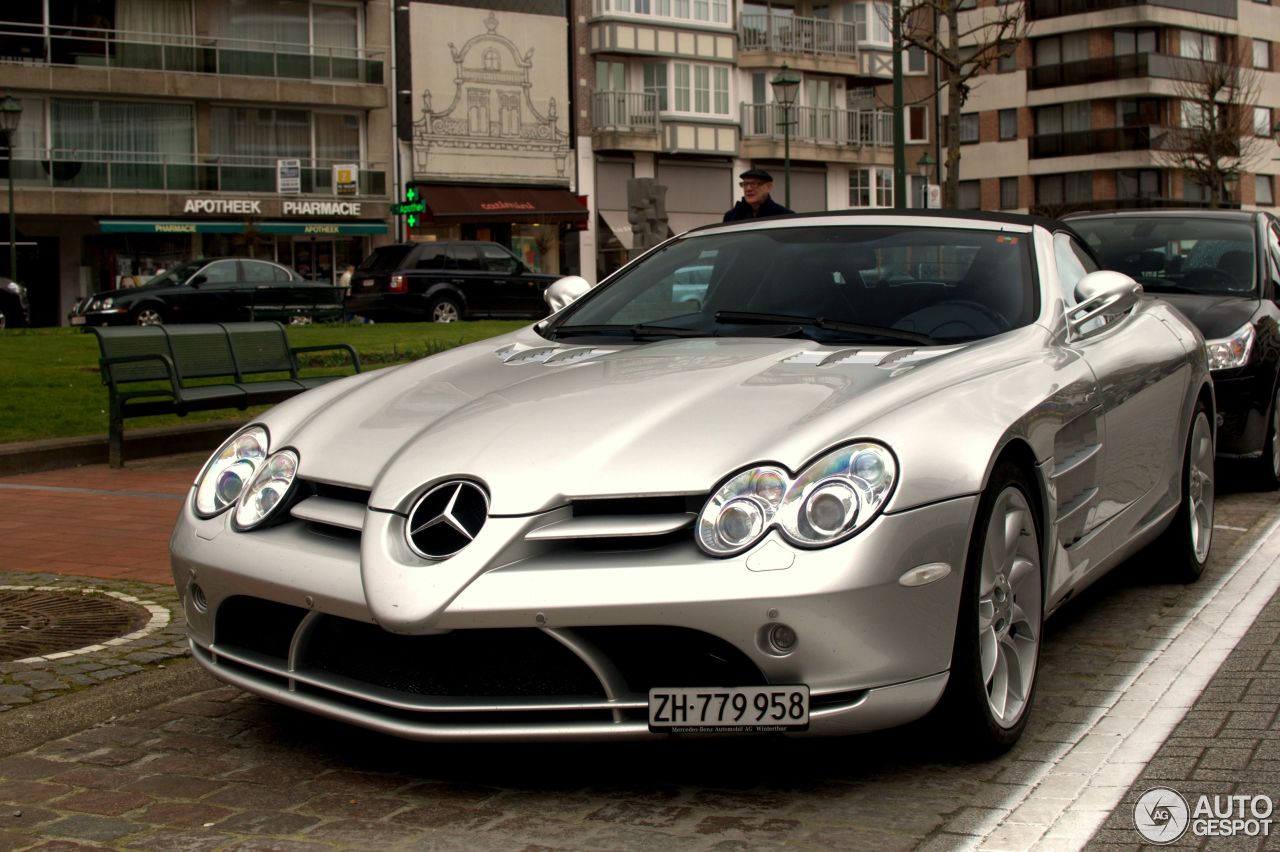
(443, 309)
(300, 319)
(1267, 471)
(1183, 548)
(998, 631)
(148, 315)
(4, 322)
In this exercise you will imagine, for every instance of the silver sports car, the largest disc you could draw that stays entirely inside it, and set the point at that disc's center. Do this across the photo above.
(818, 474)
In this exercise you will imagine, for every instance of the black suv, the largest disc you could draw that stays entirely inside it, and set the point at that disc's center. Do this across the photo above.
(445, 282)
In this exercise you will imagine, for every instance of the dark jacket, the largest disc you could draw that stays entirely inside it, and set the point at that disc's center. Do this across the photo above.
(742, 210)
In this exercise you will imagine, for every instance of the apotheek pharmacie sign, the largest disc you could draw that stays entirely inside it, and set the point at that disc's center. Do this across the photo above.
(254, 207)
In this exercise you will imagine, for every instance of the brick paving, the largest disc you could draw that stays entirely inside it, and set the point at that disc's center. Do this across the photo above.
(221, 769)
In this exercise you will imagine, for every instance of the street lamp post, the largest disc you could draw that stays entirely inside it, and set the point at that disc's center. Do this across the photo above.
(785, 87)
(10, 115)
(925, 163)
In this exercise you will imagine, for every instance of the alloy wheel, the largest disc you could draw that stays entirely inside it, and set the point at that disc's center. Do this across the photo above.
(149, 316)
(444, 311)
(1009, 607)
(1200, 486)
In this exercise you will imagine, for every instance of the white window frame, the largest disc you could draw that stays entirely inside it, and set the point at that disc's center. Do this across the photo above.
(906, 62)
(907, 128)
(700, 88)
(1262, 125)
(1262, 54)
(1270, 183)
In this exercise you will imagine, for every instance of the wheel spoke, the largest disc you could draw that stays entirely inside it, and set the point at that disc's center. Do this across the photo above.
(989, 651)
(998, 685)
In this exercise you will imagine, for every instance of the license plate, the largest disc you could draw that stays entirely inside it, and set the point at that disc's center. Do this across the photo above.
(77, 320)
(368, 282)
(728, 710)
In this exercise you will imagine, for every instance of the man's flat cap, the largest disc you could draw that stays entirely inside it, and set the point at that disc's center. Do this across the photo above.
(757, 174)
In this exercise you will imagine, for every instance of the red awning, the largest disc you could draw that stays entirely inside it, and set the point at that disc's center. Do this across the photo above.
(502, 203)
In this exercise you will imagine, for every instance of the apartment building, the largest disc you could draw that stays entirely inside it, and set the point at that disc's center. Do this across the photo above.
(153, 131)
(1089, 112)
(680, 91)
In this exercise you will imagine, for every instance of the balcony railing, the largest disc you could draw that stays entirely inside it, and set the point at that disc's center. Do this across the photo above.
(1041, 9)
(820, 125)
(1103, 140)
(60, 168)
(800, 36)
(1102, 68)
(32, 44)
(632, 112)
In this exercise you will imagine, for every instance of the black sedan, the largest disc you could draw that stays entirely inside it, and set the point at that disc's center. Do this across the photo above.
(223, 289)
(446, 281)
(1221, 268)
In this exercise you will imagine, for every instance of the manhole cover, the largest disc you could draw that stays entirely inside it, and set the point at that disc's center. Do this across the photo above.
(35, 622)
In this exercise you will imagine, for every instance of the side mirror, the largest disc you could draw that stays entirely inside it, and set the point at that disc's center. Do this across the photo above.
(565, 291)
(1103, 294)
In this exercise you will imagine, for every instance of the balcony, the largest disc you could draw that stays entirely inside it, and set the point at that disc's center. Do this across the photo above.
(1102, 140)
(55, 168)
(1104, 68)
(819, 125)
(27, 44)
(628, 112)
(807, 44)
(1038, 10)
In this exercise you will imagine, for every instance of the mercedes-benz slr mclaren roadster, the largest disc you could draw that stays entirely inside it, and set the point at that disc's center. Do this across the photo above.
(819, 474)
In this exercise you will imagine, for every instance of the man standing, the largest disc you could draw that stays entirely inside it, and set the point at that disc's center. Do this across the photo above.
(756, 202)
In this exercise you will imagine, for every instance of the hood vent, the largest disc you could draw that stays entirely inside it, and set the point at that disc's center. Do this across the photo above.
(555, 356)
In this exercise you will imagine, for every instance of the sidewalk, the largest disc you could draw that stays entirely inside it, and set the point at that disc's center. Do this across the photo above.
(1196, 709)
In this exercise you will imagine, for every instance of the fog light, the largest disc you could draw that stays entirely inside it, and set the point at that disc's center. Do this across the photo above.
(198, 599)
(782, 639)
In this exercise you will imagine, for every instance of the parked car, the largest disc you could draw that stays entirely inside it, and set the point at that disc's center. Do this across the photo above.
(218, 289)
(13, 304)
(1222, 269)
(807, 501)
(446, 282)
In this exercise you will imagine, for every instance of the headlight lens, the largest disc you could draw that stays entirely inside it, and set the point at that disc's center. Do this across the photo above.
(229, 470)
(1227, 353)
(831, 499)
(268, 490)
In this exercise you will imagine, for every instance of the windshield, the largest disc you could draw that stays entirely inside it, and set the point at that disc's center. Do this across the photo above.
(177, 275)
(874, 283)
(1194, 254)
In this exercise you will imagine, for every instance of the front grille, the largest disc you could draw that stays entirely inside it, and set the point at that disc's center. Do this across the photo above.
(483, 678)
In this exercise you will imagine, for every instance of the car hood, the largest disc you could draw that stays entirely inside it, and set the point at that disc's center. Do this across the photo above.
(1215, 316)
(540, 423)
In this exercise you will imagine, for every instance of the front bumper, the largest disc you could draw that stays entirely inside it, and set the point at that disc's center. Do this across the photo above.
(1243, 401)
(563, 640)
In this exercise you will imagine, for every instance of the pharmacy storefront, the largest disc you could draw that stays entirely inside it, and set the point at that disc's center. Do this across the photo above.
(317, 238)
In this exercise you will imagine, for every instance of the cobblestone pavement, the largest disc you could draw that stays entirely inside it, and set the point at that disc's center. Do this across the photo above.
(223, 770)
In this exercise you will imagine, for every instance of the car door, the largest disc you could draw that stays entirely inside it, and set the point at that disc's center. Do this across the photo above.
(1139, 364)
(517, 293)
(215, 294)
(468, 275)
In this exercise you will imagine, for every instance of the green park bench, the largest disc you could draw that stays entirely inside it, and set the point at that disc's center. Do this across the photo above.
(177, 369)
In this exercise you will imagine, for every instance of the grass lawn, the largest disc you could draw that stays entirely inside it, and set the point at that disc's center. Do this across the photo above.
(50, 386)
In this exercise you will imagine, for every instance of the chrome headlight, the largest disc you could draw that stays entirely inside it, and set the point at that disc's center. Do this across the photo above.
(831, 499)
(268, 490)
(1227, 353)
(227, 472)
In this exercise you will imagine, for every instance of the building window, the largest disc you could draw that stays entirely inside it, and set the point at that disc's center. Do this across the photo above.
(884, 187)
(1261, 53)
(655, 82)
(1008, 193)
(1008, 60)
(1128, 42)
(1194, 190)
(133, 136)
(970, 195)
(871, 23)
(1137, 183)
(917, 124)
(1263, 190)
(916, 61)
(1008, 124)
(860, 188)
(1070, 188)
(968, 128)
(871, 188)
(700, 91)
(1198, 45)
(1262, 121)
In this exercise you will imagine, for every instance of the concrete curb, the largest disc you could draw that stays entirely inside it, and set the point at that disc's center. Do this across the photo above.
(35, 456)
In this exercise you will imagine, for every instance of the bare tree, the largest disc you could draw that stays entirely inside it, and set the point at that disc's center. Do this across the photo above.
(962, 45)
(1217, 141)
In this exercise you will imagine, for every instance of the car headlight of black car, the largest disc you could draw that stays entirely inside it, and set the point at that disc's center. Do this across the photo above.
(831, 499)
(1228, 353)
(229, 470)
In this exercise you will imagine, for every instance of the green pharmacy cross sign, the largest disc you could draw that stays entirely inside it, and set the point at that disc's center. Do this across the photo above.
(412, 206)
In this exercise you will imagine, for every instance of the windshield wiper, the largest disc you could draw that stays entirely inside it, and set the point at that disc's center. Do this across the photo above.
(637, 331)
(826, 324)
